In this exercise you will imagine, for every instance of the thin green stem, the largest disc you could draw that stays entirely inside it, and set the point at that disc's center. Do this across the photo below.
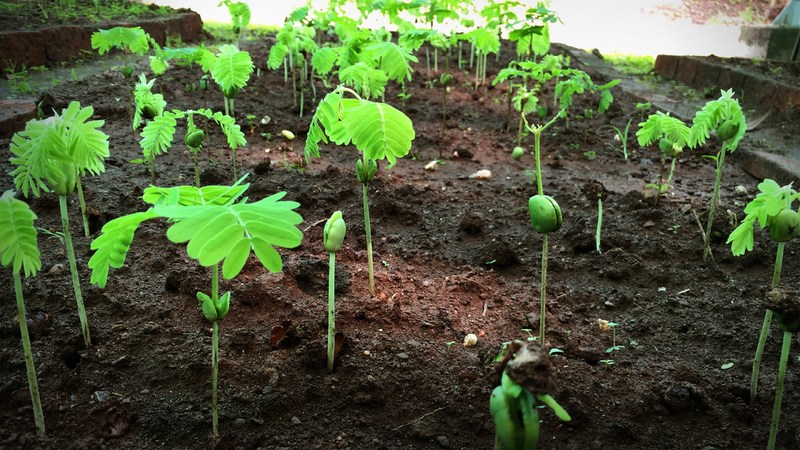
(714, 199)
(82, 202)
(368, 232)
(672, 166)
(762, 338)
(776, 407)
(196, 168)
(599, 221)
(537, 136)
(33, 384)
(214, 353)
(73, 268)
(331, 309)
(543, 291)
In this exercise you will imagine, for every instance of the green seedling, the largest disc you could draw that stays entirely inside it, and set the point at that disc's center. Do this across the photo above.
(513, 404)
(726, 117)
(219, 228)
(605, 325)
(545, 216)
(240, 16)
(134, 40)
(575, 81)
(445, 80)
(622, 136)
(772, 208)
(643, 108)
(333, 237)
(599, 222)
(379, 131)
(293, 42)
(231, 70)
(672, 136)
(51, 155)
(532, 33)
(19, 252)
(158, 134)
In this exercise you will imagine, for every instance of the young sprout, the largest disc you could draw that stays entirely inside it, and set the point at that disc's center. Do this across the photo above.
(51, 155)
(218, 230)
(19, 252)
(726, 117)
(377, 130)
(772, 208)
(599, 221)
(333, 237)
(527, 377)
(672, 136)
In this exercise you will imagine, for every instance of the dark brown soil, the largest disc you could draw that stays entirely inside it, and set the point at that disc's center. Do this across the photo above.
(27, 15)
(453, 255)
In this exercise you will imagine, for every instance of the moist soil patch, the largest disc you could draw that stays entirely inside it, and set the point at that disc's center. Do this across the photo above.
(454, 255)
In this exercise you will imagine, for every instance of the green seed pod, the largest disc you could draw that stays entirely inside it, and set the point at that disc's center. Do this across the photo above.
(149, 112)
(231, 92)
(365, 175)
(333, 233)
(204, 82)
(506, 419)
(64, 178)
(445, 79)
(784, 226)
(195, 138)
(665, 145)
(545, 214)
(727, 130)
(288, 134)
(207, 305)
(223, 305)
(517, 152)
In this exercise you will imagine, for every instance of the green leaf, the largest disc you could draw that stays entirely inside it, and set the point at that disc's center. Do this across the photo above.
(394, 60)
(380, 130)
(324, 59)
(193, 196)
(741, 238)
(215, 233)
(712, 114)
(134, 39)
(157, 136)
(660, 125)
(232, 68)
(111, 247)
(277, 53)
(18, 246)
(367, 81)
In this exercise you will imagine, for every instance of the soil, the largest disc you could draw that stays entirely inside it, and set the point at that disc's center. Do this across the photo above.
(454, 255)
(34, 16)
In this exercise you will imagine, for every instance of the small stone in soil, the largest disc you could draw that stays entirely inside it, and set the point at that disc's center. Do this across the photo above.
(295, 420)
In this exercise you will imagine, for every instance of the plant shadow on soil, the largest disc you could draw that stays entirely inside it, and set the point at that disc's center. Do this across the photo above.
(453, 256)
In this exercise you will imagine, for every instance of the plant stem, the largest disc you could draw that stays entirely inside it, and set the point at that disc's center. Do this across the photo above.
(73, 268)
(214, 353)
(762, 338)
(196, 168)
(714, 199)
(33, 384)
(82, 202)
(537, 139)
(331, 309)
(543, 291)
(776, 408)
(368, 232)
(672, 166)
(599, 221)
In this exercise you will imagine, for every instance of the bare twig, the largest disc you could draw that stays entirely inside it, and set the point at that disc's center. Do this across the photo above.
(420, 418)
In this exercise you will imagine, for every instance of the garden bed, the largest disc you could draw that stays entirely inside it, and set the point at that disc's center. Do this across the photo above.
(454, 255)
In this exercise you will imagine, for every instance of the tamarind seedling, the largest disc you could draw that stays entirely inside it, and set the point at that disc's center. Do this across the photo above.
(333, 238)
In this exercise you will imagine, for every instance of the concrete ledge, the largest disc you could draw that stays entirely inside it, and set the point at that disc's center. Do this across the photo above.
(49, 46)
(758, 91)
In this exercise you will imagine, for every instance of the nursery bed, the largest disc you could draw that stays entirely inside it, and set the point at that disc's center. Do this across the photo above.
(454, 255)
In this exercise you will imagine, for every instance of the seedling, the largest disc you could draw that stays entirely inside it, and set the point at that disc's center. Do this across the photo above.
(444, 80)
(772, 208)
(159, 133)
(231, 70)
(240, 16)
(545, 215)
(333, 237)
(672, 136)
(134, 40)
(605, 325)
(622, 136)
(532, 34)
(643, 108)
(527, 377)
(726, 116)
(216, 228)
(599, 222)
(19, 252)
(377, 130)
(51, 155)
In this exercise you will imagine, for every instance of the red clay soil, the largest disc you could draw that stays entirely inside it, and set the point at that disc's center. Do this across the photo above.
(454, 255)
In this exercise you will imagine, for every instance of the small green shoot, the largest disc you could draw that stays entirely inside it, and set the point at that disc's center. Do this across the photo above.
(333, 237)
(19, 252)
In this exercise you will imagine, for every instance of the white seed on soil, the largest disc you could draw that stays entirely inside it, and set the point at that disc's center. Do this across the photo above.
(483, 174)
(470, 340)
(432, 165)
(741, 190)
